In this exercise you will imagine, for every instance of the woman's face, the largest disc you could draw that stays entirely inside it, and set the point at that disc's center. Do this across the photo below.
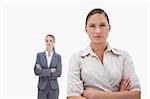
(49, 41)
(97, 28)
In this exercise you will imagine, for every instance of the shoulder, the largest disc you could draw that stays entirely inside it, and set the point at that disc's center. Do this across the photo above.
(57, 54)
(75, 61)
(76, 57)
(121, 52)
(40, 53)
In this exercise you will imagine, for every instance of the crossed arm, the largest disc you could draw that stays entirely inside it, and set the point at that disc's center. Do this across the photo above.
(51, 70)
(123, 93)
(48, 72)
(95, 94)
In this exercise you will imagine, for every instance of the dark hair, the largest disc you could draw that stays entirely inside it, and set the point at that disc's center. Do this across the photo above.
(52, 37)
(95, 11)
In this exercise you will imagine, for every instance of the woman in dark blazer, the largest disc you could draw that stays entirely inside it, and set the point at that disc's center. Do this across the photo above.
(48, 67)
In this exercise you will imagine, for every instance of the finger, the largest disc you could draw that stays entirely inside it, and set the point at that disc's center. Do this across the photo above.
(126, 85)
(123, 84)
(39, 68)
(37, 64)
(84, 92)
(129, 87)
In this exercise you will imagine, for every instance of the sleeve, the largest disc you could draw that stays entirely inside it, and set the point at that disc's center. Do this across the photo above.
(43, 72)
(58, 69)
(74, 82)
(129, 73)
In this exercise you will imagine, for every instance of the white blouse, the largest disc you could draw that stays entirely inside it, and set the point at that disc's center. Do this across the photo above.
(86, 71)
(48, 58)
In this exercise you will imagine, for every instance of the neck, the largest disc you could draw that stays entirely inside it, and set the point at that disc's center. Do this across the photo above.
(99, 48)
(49, 50)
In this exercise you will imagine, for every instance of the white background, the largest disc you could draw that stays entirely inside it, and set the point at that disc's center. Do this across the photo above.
(24, 25)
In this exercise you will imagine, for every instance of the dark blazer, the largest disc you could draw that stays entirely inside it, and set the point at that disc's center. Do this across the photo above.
(44, 75)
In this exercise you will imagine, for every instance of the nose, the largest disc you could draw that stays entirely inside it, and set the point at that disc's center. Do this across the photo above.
(98, 30)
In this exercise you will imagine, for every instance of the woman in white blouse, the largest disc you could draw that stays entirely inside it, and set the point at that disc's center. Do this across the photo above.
(100, 71)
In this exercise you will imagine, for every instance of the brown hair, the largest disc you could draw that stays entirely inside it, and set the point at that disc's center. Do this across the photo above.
(50, 36)
(95, 11)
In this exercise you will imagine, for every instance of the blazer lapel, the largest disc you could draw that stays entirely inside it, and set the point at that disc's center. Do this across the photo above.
(53, 61)
(44, 60)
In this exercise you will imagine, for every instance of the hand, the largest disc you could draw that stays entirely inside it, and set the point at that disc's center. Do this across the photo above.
(90, 93)
(52, 70)
(125, 84)
(76, 97)
(38, 66)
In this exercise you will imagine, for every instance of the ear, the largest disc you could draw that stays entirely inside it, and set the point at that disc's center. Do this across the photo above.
(86, 29)
(109, 27)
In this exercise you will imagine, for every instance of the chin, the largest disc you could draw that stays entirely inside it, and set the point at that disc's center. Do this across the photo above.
(98, 42)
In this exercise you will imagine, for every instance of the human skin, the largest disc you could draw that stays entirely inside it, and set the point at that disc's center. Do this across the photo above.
(97, 29)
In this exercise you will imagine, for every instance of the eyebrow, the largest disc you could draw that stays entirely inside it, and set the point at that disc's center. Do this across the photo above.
(103, 23)
(94, 23)
(91, 24)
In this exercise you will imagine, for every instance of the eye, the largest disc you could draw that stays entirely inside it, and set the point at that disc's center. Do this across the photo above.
(51, 40)
(102, 25)
(46, 40)
(92, 26)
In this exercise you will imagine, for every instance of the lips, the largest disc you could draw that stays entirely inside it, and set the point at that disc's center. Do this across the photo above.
(98, 36)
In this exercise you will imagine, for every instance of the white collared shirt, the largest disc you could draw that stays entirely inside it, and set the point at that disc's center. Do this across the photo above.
(48, 57)
(86, 71)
